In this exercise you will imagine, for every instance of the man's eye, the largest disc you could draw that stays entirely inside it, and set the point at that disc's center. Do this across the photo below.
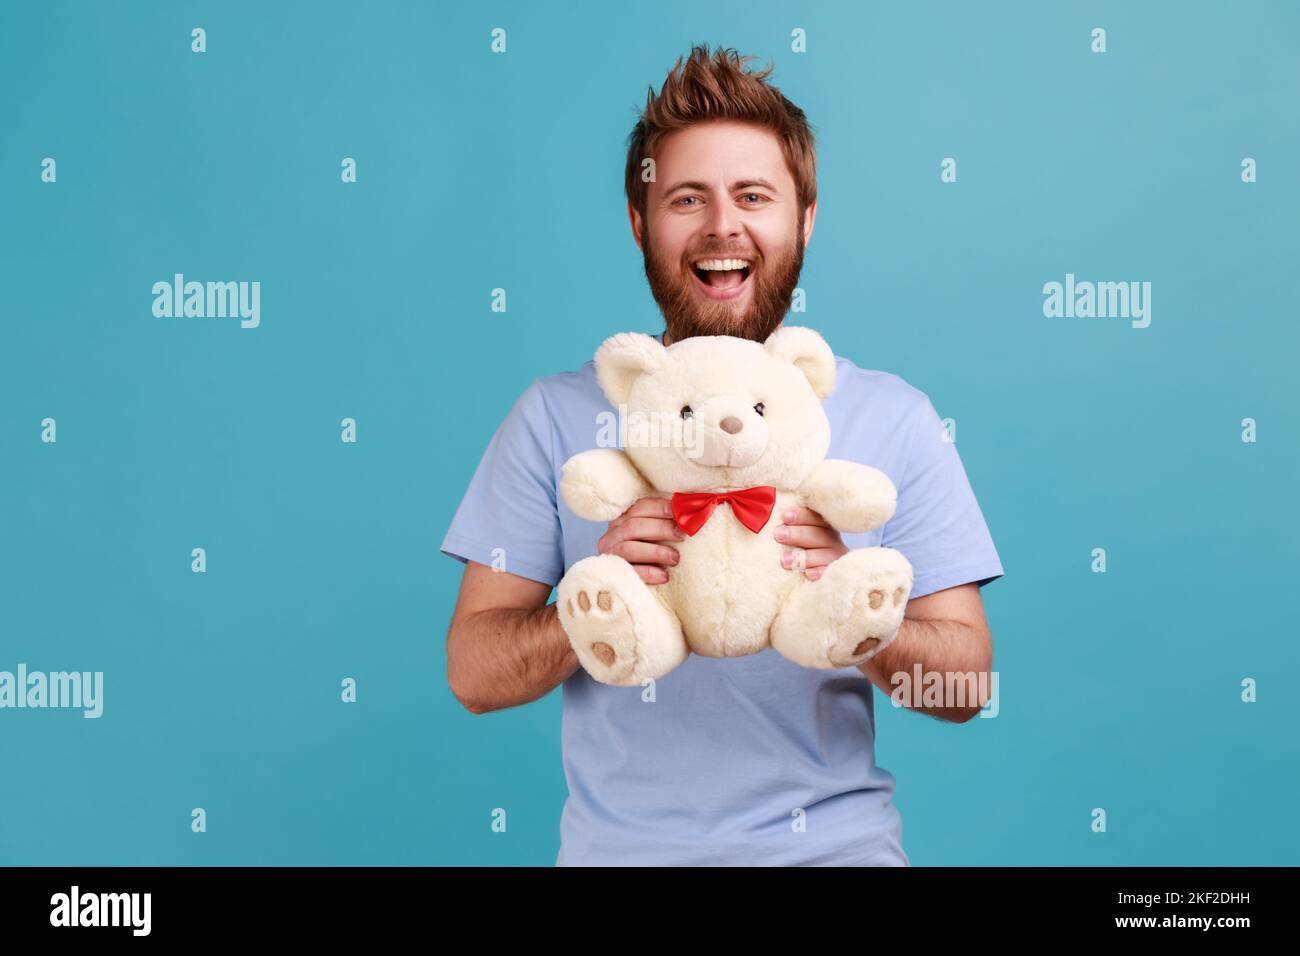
(759, 408)
(756, 196)
(684, 198)
(686, 411)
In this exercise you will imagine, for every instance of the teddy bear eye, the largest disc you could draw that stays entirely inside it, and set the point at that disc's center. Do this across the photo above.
(759, 408)
(687, 412)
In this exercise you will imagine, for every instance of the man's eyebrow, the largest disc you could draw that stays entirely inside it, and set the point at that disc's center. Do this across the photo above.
(703, 187)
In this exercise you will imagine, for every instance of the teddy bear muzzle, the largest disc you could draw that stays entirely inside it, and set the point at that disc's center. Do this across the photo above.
(722, 435)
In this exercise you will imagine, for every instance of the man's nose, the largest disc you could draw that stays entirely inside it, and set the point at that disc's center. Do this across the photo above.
(723, 221)
(731, 424)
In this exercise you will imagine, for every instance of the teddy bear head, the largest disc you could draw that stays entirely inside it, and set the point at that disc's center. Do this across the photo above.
(715, 412)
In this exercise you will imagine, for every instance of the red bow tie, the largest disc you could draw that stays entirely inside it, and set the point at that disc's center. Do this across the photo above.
(751, 506)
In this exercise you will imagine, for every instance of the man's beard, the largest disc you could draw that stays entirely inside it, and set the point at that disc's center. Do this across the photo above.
(687, 313)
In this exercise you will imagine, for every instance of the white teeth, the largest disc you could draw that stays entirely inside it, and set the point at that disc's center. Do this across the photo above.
(722, 265)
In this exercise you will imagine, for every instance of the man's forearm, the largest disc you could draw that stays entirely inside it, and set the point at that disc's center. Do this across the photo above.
(951, 653)
(503, 657)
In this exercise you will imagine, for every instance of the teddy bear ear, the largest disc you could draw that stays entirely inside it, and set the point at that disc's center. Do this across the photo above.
(623, 358)
(808, 351)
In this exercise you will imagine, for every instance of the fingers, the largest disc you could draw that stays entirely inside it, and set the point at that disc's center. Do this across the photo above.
(797, 514)
(807, 536)
(645, 552)
(639, 549)
(635, 535)
(645, 529)
(651, 573)
(799, 560)
(810, 544)
(647, 507)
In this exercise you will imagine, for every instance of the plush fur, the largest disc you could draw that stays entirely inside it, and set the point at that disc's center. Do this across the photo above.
(729, 595)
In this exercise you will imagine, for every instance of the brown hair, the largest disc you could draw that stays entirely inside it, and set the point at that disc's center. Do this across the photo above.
(704, 89)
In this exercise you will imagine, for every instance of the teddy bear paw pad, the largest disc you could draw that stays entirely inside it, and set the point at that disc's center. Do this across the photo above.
(865, 645)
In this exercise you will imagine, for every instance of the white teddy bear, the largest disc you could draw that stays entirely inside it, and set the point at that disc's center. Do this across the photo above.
(733, 433)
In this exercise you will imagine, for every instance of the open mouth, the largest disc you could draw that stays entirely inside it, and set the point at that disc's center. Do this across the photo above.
(722, 278)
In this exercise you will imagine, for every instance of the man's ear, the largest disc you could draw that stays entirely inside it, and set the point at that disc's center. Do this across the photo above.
(809, 217)
(623, 358)
(634, 218)
(808, 351)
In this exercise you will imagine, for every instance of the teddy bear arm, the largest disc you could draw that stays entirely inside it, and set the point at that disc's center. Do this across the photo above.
(601, 484)
(852, 497)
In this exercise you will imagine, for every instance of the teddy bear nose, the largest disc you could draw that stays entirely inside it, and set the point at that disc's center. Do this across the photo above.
(731, 424)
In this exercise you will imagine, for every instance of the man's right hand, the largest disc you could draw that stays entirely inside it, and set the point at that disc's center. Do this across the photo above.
(637, 536)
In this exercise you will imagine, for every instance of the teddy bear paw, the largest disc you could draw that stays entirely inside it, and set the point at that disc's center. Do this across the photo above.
(851, 647)
(621, 633)
(868, 623)
(601, 632)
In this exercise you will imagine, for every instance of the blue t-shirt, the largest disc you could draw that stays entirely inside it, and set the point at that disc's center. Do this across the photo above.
(737, 761)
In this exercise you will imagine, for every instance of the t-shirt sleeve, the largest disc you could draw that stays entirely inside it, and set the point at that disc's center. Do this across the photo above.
(508, 517)
(937, 524)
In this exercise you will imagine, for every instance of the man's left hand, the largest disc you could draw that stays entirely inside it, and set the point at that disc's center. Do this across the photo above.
(808, 542)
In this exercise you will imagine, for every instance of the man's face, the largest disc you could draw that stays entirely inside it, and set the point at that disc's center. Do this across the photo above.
(722, 191)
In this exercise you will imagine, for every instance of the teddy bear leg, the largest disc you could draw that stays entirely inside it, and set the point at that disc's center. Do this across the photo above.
(621, 633)
(848, 615)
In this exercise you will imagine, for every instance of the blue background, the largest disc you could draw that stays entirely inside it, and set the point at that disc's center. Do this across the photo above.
(1118, 690)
